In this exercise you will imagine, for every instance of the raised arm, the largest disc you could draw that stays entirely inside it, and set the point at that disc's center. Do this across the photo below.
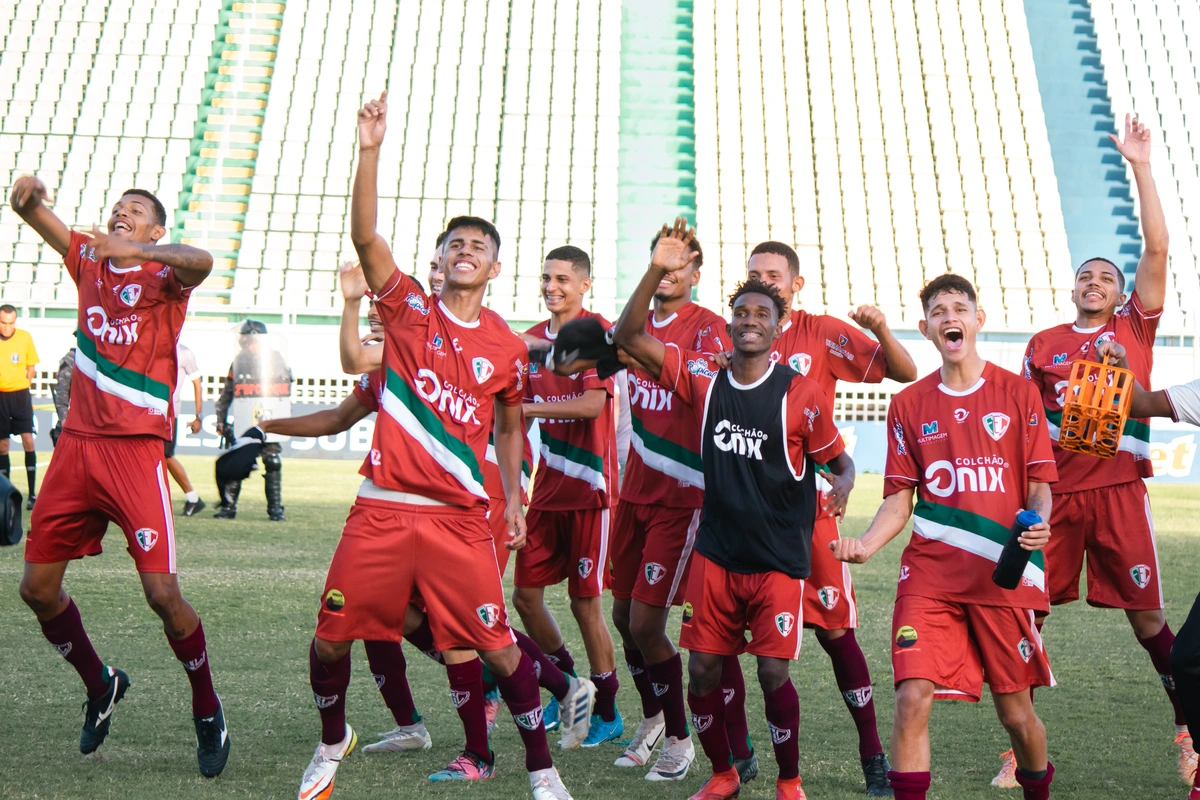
(900, 365)
(28, 200)
(373, 251)
(355, 356)
(888, 523)
(1145, 404)
(510, 449)
(322, 423)
(1151, 279)
(191, 264)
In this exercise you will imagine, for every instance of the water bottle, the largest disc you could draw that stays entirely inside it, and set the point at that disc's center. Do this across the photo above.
(1013, 559)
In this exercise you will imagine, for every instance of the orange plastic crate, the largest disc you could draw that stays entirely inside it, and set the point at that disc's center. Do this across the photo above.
(1095, 408)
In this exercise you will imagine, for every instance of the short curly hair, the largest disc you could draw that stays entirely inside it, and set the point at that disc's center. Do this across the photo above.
(755, 286)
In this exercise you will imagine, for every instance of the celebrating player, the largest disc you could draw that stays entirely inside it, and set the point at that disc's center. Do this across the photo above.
(108, 464)
(1100, 505)
(970, 442)
(762, 428)
(577, 484)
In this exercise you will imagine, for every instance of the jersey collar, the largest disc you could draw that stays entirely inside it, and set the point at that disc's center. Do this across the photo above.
(1078, 329)
(747, 386)
(118, 271)
(979, 383)
(665, 322)
(455, 319)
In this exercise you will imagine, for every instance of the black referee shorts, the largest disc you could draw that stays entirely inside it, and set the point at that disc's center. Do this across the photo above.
(169, 447)
(16, 413)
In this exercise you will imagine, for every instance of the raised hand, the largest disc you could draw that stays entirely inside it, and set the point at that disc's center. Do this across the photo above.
(372, 123)
(27, 193)
(673, 251)
(1136, 147)
(869, 317)
(110, 248)
(354, 284)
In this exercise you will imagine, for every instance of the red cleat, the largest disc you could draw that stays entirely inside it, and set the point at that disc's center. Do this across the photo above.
(789, 789)
(722, 786)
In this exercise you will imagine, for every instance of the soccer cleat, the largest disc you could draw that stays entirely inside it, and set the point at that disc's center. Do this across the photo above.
(276, 515)
(747, 768)
(722, 786)
(402, 738)
(97, 714)
(317, 783)
(1194, 794)
(550, 715)
(492, 703)
(576, 711)
(29, 503)
(547, 785)
(1187, 754)
(673, 761)
(875, 770)
(466, 767)
(1007, 777)
(212, 742)
(789, 789)
(600, 731)
(649, 733)
(225, 512)
(191, 509)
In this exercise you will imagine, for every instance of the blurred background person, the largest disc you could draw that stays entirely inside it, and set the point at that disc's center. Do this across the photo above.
(18, 361)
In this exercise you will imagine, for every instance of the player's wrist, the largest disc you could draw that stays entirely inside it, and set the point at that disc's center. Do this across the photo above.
(368, 149)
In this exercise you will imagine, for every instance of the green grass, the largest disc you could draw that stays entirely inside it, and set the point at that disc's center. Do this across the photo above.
(257, 586)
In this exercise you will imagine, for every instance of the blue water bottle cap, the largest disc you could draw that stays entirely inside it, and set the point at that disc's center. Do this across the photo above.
(1028, 518)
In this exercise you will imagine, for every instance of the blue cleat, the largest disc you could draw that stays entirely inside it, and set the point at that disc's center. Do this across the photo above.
(600, 731)
(550, 720)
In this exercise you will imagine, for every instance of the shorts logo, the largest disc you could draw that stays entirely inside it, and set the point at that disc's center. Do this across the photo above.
(858, 697)
(334, 600)
(659, 689)
(531, 721)
(482, 368)
(1025, 648)
(585, 567)
(655, 572)
(130, 294)
(324, 701)
(1140, 575)
(961, 414)
(906, 636)
(779, 735)
(702, 722)
(146, 538)
(489, 614)
(996, 424)
(460, 699)
(687, 612)
(801, 362)
(784, 623)
(828, 596)
(64, 650)
(380, 680)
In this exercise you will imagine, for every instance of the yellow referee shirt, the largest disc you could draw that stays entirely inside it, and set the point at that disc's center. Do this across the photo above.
(17, 354)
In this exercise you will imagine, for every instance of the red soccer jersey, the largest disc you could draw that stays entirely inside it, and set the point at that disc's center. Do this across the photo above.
(1048, 361)
(442, 378)
(664, 466)
(578, 455)
(971, 455)
(125, 360)
(826, 350)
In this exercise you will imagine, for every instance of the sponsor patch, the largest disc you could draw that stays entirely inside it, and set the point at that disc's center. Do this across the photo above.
(898, 435)
(417, 303)
(1140, 575)
(334, 600)
(961, 414)
(489, 615)
(784, 623)
(700, 367)
(906, 636)
(929, 428)
(146, 538)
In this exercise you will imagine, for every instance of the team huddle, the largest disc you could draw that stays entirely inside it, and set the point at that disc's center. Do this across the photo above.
(485, 448)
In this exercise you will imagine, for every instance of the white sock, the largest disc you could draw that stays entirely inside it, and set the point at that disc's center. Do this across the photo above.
(192, 497)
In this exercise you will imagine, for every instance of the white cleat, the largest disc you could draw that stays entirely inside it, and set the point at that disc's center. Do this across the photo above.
(575, 713)
(649, 733)
(1007, 777)
(674, 760)
(317, 783)
(1187, 754)
(547, 785)
(401, 739)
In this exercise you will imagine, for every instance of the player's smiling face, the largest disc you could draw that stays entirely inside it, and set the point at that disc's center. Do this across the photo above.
(373, 319)
(436, 274)
(952, 322)
(563, 286)
(132, 218)
(773, 269)
(468, 259)
(754, 325)
(678, 285)
(1098, 289)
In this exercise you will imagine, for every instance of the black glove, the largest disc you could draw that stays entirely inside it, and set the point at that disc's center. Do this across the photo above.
(55, 432)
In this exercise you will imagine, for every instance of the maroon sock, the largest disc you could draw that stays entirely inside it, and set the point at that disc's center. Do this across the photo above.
(192, 653)
(606, 695)
(390, 671)
(520, 692)
(549, 676)
(1036, 788)
(854, 680)
(422, 639)
(666, 680)
(329, 684)
(561, 658)
(909, 785)
(783, 718)
(1159, 648)
(71, 641)
(641, 681)
(466, 692)
(708, 720)
(733, 691)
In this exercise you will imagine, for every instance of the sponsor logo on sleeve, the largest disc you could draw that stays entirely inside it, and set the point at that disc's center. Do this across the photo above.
(698, 366)
(898, 435)
(417, 303)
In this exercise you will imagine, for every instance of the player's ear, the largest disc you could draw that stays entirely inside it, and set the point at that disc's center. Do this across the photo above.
(695, 276)
(586, 285)
(923, 327)
(495, 270)
(797, 284)
(157, 232)
(980, 318)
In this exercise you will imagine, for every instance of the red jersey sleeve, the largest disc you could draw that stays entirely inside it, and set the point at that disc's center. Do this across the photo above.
(593, 381)
(1039, 456)
(366, 391)
(853, 356)
(708, 337)
(901, 470)
(1143, 322)
(73, 258)
(402, 299)
(688, 375)
(1031, 371)
(513, 393)
(810, 426)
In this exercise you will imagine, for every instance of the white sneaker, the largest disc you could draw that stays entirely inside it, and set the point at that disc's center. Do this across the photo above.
(575, 713)
(649, 734)
(317, 783)
(1006, 778)
(673, 762)
(401, 738)
(547, 785)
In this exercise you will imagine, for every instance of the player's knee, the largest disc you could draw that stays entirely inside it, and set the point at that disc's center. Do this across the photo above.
(772, 673)
(914, 701)
(585, 609)
(1147, 623)
(328, 652)
(704, 673)
(620, 618)
(646, 632)
(525, 601)
(1017, 718)
(164, 599)
(39, 597)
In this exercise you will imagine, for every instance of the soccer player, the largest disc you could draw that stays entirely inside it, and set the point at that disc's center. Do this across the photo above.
(568, 519)
(133, 296)
(655, 528)
(1100, 505)
(451, 367)
(189, 372)
(18, 365)
(970, 442)
(764, 427)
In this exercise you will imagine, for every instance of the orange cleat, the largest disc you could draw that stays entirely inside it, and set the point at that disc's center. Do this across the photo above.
(1187, 755)
(721, 786)
(1007, 777)
(789, 789)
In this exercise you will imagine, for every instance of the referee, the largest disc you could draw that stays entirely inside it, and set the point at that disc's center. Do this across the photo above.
(18, 357)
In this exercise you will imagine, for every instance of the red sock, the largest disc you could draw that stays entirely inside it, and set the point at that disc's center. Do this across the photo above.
(641, 681)
(329, 684)
(466, 692)
(606, 695)
(854, 680)
(733, 691)
(562, 659)
(909, 785)
(708, 720)
(549, 676)
(783, 717)
(520, 692)
(192, 653)
(1038, 789)
(666, 680)
(390, 671)
(422, 639)
(71, 641)
(1159, 648)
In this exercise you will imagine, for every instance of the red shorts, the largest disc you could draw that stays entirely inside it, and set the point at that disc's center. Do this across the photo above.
(388, 551)
(565, 545)
(94, 481)
(958, 646)
(1114, 527)
(499, 529)
(829, 601)
(650, 552)
(721, 605)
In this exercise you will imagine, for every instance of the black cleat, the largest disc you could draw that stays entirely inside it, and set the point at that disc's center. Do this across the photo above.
(212, 742)
(226, 512)
(747, 768)
(98, 713)
(875, 770)
(191, 509)
(29, 503)
(276, 514)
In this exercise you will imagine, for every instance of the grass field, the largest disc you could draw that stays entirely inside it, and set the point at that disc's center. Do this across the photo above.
(257, 584)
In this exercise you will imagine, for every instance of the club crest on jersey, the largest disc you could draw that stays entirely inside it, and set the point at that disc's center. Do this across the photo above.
(482, 368)
(858, 697)
(1107, 336)
(417, 303)
(489, 614)
(1060, 358)
(784, 623)
(702, 722)
(829, 596)
(779, 735)
(146, 538)
(130, 294)
(655, 572)
(1025, 648)
(585, 567)
(699, 367)
(460, 699)
(996, 424)
(1140, 575)
(801, 362)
